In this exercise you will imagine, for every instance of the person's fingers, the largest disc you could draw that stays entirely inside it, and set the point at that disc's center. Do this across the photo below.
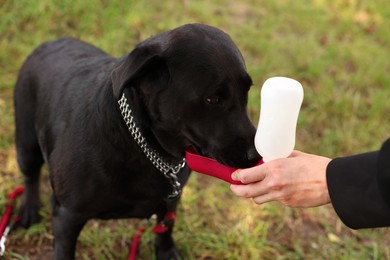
(249, 175)
(268, 197)
(249, 190)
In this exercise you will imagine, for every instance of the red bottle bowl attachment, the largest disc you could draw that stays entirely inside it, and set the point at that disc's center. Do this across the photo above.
(210, 166)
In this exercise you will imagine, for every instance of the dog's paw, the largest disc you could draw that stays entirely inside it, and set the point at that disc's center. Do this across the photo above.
(29, 214)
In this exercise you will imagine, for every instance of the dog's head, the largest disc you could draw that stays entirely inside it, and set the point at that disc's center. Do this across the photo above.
(194, 86)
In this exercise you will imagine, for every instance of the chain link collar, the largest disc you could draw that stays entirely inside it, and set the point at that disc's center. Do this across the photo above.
(170, 171)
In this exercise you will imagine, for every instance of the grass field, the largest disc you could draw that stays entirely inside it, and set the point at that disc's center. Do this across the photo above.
(338, 49)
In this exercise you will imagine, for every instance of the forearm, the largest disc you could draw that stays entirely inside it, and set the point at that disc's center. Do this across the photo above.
(354, 192)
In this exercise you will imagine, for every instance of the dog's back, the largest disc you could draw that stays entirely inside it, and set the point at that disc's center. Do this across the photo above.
(45, 84)
(44, 94)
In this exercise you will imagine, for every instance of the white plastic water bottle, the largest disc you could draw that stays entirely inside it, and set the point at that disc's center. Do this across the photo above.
(281, 100)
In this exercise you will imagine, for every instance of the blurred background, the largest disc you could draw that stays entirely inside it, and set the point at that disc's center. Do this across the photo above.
(338, 49)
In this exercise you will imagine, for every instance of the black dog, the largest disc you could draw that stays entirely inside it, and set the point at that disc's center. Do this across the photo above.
(183, 88)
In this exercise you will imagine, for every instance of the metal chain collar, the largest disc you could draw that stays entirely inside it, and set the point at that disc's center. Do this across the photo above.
(170, 171)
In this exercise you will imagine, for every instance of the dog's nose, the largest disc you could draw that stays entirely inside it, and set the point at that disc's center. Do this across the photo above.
(253, 156)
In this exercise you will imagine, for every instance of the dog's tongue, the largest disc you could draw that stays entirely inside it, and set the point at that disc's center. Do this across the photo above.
(210, 166)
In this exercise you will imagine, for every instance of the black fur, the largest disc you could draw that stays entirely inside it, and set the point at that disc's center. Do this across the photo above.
(187, 87)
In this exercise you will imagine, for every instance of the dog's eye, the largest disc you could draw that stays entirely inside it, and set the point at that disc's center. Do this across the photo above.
(212, 100)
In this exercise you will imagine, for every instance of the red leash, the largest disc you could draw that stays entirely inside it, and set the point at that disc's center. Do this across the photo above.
(135, 243)
(160, 228)
(5, 224)
(9, 208)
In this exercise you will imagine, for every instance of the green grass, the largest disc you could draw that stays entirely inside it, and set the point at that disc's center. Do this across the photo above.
(339, 50)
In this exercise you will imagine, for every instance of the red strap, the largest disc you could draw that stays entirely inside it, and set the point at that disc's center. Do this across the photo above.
(8, 210)
(135, 243)
(170, 215)
(210, 166)
(5, 219)
(161, 227)
(157, 229)
(15, 193)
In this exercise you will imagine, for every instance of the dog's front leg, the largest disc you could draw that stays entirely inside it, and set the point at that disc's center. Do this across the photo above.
(164, 244)
(66, 226)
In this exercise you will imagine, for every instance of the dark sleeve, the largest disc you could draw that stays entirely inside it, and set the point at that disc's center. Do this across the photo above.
(384, 171)
(357, 187)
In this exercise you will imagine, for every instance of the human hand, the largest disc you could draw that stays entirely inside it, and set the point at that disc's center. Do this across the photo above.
(296, 181)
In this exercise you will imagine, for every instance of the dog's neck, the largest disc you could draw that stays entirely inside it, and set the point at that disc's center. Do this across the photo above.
(169, 170)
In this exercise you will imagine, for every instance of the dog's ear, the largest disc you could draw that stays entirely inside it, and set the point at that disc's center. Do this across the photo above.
(135, 65)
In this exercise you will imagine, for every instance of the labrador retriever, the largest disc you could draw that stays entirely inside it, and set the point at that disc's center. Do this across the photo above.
(113, 132)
